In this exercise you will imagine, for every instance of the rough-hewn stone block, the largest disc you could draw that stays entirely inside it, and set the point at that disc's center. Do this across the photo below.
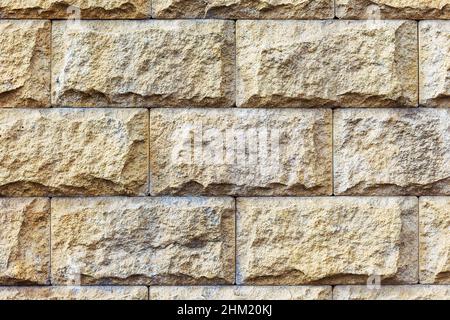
(143, 240)
(392, 152)
(416, 292)
(241, 293)
(326, 63)
(393, 9)
(434, 84)
(143, 63)
(329, 240)
(73, 152)
(74, 293)
(244, 9)
(75, 9)
(240, 151)
(434, 238)
(24, 241)
(24, 63)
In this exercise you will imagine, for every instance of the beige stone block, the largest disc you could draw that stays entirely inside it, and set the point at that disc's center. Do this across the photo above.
(434, 223)
(142, 241)
(181, 63)
(24, 241)
(240, 152)
(327, 240)
(392, 152)
(73, 152)
(326, 63)
(414, 292)
(24, 63)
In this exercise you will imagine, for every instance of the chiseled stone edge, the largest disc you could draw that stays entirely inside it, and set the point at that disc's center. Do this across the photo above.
(417, 292)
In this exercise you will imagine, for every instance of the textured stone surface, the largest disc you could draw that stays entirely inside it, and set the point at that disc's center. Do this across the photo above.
(73, 151)
(84, 9)
(241, 293)
(24, 63)
(393, 9)
(74, 293)
(326, 63)
(244, 9)
(434, 84)
(434, 240)
(143, 240)
(240, 152)
(416, 292)
(392, 152)
(143, 63)
(329, 240)
(24, 241)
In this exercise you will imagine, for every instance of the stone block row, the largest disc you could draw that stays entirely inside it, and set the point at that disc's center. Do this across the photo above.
(237, 152)
(227, 9)
(198, 240)
(278, 63)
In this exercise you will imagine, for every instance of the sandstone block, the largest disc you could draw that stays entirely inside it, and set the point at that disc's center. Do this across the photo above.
(75, 9)
(434, 238)
(240, 151)
(143, 63)
(416, 292)
(392, 152)
(434, 78)
(74, 293)
(73, 152)
(393, 9)
(244, 9)
(24, 241)
(24, 63)
(141, 241)
(326, 240)
(241, 293)
(326, 63)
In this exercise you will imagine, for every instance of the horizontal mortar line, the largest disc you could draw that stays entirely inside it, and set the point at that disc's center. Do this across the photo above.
(219, 196)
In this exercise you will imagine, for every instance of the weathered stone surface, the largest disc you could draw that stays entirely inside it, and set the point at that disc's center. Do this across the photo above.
(73, 151)
(74, 293)
(241, 293)
(143, 63)
(244, 9)
(392, 152)
(434, 84)
(24, 241)
(416, 292)
(84, 9)
(393, 9)
(143, 240)
(240, 152)
(24, 63)
(434, 240)
(326, 63)
(328, 240)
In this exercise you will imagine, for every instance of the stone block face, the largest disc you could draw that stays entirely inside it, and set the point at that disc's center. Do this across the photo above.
(434, 238)
(434, 76)
(417, 292)
(73, 152)
(392, 152)
(84, 9)
(393, 9)
(24, 241)
(24, 63)
(143, 63)
(244, 9)
(329, 240)
(326, 63)
(241, 293)
(74, 293)
(141, 241)
(240, 152)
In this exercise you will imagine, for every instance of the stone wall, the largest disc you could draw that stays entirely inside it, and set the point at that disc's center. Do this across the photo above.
(225, 149)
